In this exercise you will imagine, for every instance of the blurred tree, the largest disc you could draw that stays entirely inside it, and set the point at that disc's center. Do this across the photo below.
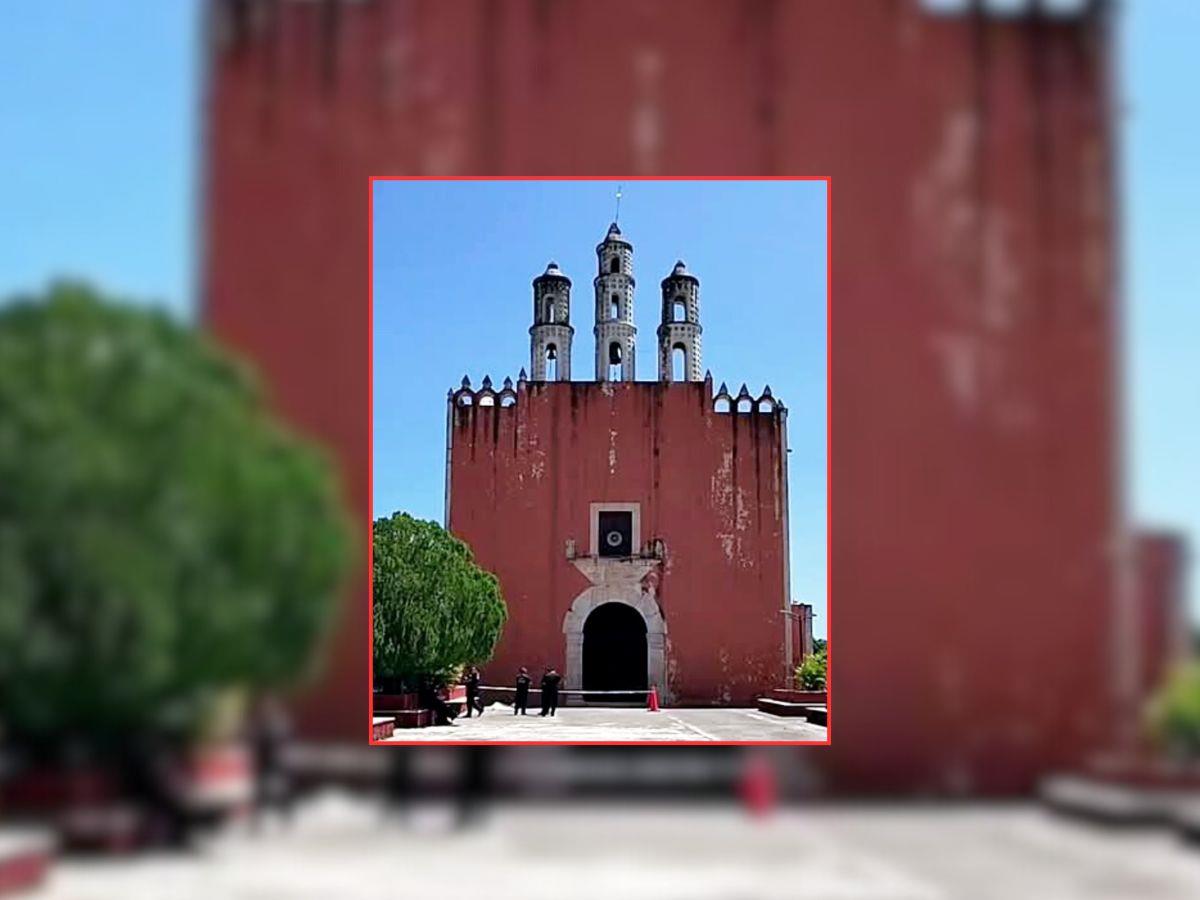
(1173, 715)
(435, 610)
(163, 539)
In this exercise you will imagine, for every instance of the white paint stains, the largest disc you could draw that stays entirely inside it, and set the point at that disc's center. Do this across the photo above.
(946, 227)
(725, 694)
(743, 511)
(965, 242)
(726, 540)
(645, 127)
(960, 368)
(612, 452)
(396, 63)
(672, 665)
(722, 486)
(945, 210)
(444, 150)
(1001, 275)
(723, 503)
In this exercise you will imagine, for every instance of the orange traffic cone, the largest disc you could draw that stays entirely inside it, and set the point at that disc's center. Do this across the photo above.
(652, 700)
(758, 786)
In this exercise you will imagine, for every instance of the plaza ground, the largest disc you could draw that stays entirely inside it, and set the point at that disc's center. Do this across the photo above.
(577, 724)
(347, 846)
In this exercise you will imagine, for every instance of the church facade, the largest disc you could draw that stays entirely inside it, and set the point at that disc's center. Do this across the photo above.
(639, 529)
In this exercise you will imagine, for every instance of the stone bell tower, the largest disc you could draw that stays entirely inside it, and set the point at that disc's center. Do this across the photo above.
(551, 332)
(680, 329)
(615, 331)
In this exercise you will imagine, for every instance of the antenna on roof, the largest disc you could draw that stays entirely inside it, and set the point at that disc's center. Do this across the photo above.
(617, 214)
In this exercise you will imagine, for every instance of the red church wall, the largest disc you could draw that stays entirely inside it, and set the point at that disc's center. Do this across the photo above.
(975, 528)
(710, 485)
(1164, 636)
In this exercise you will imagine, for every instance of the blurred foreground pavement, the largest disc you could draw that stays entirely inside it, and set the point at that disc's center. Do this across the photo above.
(343, 846)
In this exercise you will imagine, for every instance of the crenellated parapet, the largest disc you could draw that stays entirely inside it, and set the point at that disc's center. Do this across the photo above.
(722, 401)
(487, 395)
(745, 402)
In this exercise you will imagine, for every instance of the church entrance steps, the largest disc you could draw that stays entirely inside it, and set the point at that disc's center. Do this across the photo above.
(816, 714)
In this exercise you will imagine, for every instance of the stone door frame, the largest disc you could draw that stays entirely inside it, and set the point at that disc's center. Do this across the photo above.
(656, 633)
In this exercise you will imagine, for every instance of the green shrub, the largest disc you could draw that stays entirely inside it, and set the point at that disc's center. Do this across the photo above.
(1173, 715)
(810, 674)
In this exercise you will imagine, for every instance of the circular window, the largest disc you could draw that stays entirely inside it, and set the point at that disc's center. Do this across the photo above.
(613, 538)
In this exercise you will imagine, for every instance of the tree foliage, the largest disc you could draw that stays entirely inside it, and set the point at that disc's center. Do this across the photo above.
(1174, 713)
(163, 539)
(812, 671)
(435, 610)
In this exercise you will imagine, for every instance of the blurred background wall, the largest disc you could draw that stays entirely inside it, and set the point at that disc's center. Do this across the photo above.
(993, 622)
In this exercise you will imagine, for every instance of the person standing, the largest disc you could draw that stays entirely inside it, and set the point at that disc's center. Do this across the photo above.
(270, 733)
(522, 698)
(473, 692)
(430, 697)
(550, 683)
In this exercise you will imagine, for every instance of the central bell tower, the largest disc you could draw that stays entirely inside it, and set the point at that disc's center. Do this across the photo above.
(615, 331)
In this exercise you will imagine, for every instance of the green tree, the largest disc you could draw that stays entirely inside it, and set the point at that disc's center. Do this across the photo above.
(1173, 715)
(435, 610)
(163, 539)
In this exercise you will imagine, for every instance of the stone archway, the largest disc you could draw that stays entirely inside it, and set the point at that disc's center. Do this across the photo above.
(614, 653)
(656, 633)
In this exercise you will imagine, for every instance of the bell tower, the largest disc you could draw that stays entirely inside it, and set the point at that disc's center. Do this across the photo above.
(551, 332)
(615, 331)
(680, 329)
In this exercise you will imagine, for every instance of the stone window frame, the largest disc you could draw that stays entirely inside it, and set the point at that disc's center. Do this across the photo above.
(635, 531)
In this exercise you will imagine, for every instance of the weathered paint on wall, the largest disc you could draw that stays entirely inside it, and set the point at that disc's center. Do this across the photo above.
(976, 528)
(709, 485)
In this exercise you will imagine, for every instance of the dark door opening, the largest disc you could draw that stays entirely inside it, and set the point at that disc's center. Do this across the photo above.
(614, 654)
(616, 533)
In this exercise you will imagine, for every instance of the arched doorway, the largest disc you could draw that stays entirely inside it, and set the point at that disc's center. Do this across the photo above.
(615, 653)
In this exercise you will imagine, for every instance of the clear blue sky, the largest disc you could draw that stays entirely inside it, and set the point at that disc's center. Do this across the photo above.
(453, 266)
(99, 115)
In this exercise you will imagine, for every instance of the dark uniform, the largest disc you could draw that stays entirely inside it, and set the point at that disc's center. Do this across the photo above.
(473, 692)
(550, 683)
(430, 697)
(522, 698)
(272, 786)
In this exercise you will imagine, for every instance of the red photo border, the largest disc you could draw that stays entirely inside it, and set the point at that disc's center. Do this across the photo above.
(371, 182)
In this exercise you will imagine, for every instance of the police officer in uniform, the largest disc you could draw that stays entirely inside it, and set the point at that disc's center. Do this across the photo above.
(473, 704)
(550, 683)
(522, 698)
